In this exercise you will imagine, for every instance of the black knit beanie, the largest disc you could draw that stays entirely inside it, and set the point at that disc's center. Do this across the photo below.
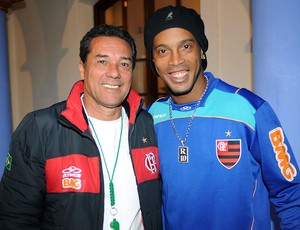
(171, 17)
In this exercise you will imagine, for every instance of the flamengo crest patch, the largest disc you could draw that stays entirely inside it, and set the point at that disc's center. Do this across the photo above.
(228, 152)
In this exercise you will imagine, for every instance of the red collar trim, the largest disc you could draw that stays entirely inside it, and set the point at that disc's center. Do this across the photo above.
(74, 110)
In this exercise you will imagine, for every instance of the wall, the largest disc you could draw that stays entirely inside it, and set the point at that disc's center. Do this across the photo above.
(44, 41)
(228, 29)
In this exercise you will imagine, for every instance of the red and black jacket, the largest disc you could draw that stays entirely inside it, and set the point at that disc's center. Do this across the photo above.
(55, 179)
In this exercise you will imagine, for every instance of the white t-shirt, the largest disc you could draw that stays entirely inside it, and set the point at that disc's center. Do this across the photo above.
(126, 195)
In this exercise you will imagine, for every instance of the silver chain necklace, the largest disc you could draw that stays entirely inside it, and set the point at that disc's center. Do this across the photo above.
(183, 151)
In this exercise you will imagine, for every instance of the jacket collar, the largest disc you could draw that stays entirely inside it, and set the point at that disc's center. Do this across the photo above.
(74, 112)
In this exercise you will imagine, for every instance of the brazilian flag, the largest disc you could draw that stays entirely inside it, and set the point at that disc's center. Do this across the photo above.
(8, 162)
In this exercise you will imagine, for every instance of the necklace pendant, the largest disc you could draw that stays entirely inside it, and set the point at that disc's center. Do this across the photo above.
(114, 224)
(183, 154)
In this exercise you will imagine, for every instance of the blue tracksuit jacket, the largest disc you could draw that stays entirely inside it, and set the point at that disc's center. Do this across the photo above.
(238, 158)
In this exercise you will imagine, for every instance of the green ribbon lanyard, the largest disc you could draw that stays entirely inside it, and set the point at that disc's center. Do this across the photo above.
(114, 224)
